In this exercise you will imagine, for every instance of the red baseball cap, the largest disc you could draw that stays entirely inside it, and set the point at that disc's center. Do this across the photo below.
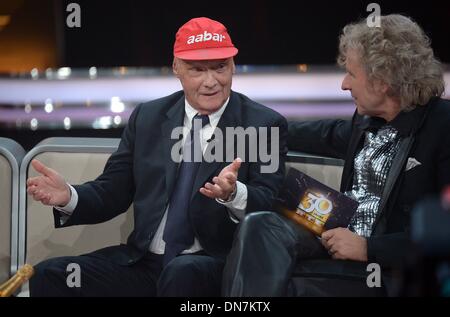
(203, 39)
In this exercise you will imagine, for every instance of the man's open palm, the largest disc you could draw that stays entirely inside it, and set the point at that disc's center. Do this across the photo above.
(49, 187)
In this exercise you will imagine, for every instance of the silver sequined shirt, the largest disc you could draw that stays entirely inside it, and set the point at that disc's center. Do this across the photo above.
(372, 166)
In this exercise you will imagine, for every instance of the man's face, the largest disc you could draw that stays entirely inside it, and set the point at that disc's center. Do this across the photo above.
(369, 97)
(206, 84)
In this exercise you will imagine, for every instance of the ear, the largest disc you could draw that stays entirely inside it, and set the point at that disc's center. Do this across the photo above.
(175, 66)
(380, 87)
(233, 66)
(384, 88)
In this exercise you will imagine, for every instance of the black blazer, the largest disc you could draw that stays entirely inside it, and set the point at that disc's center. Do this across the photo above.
(142, 172)
(426, 137)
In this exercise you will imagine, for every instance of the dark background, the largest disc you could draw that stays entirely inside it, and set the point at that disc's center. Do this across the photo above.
(141, 33)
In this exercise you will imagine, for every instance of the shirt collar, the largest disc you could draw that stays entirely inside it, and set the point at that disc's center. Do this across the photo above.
(372, 124)
(405, 122)
(213, 117)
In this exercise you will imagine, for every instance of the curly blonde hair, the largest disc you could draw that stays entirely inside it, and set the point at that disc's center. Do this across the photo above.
(397, 53)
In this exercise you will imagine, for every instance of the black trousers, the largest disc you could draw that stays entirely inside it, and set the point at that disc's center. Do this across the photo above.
(273, 256)
(185, 275)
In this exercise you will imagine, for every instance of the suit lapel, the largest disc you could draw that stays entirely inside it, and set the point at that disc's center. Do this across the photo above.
(408, 127)
(397, 167)
(230, 118)
(174, 119)
(355, 141)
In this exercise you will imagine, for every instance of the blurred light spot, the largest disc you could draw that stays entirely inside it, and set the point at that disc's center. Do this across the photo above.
(48, 105)
(34, 73)
(117, 120)
(49, 73)
(117, 105)
(28, 108)
(102, 123)
(93, 72)
(303, 68)
(67, 123)
(34, 124)
(64, 72)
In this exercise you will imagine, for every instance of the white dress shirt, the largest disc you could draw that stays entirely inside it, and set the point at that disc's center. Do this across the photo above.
(236, 207)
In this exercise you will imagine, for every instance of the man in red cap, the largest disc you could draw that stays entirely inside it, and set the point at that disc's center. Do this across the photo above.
(186, 211)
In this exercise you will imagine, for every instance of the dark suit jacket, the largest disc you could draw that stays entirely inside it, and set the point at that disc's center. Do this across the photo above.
(142, 172)
(425, 135)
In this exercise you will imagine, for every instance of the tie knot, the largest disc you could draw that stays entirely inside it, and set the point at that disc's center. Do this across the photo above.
(202, 120)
